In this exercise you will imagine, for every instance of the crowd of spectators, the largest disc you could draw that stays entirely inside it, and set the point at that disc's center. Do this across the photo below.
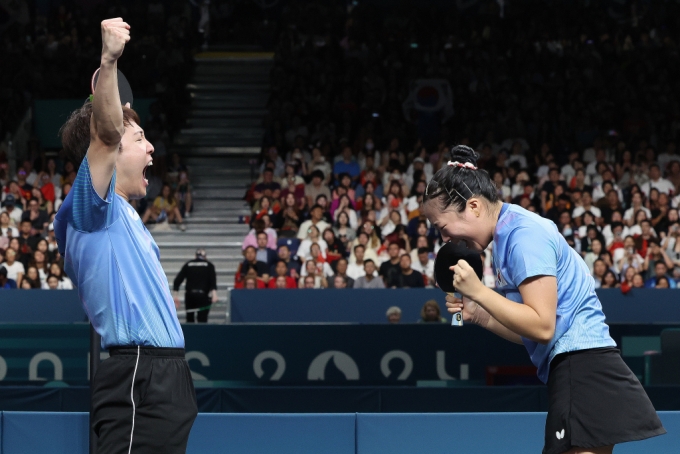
(360, 226)
(577, 123)
(29, 256)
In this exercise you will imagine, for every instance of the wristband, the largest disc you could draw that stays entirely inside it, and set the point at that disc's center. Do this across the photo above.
(481, 319)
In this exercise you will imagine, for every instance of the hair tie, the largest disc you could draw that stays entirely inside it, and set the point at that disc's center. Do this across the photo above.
(467, 165)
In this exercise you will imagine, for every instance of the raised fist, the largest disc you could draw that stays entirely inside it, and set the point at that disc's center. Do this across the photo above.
(115, 33)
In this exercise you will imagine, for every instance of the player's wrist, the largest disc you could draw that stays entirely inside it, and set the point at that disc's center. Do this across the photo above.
(107, 60)
(478, 293)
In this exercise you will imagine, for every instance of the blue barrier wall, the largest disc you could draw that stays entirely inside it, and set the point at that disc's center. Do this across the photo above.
(41, 306)
(330, 306)
(369, 306)
(483, 433)
(309, 354)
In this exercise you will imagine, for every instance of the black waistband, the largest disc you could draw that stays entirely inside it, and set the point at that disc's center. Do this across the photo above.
(147, 351)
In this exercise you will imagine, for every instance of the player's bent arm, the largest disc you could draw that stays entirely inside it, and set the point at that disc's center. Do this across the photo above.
(535, 319)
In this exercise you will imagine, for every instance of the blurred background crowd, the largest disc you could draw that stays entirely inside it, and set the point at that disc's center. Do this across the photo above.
(572, 106)
(574, 114)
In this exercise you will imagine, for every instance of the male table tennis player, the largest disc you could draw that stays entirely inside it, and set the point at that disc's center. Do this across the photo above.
(143, 399)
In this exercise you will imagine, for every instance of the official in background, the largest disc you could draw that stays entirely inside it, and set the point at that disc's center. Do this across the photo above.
(201, 288)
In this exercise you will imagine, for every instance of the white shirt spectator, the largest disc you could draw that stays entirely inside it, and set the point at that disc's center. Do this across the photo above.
(304, 250)
(598, 193)
(356, 271)
(426, 270)
(583, 230)
(386, 212)
(637, 230)
(351, 214)
(662, 185)
(567, 173)
(619, 253)
(321, 225)
(15, 215)
(14, 269)
(609, 236)
(64, 284)
(522, 160)
(591, 169)
(325, 267)
(9, 231)
(31, 178)
(630, 212)
(578, 211)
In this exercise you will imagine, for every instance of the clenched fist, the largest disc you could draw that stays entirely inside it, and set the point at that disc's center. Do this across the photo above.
(115, 33)
(465, 279)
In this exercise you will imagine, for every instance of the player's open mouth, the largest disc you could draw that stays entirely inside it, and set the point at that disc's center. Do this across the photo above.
(144, 172)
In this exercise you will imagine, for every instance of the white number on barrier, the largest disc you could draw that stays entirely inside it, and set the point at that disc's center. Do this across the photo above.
(45, 356)
(396, 354)
(202, 358)
(269, 354)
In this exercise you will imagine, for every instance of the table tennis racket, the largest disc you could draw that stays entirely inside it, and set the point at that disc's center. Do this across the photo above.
(124, 89)
(448, 256)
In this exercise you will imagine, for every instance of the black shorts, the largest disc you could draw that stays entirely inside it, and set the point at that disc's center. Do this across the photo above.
(143, 399)
(595, 400)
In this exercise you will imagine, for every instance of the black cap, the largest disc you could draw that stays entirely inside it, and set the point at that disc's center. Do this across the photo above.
(9, 200)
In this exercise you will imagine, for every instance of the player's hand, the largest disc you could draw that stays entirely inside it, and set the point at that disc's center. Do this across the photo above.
(465, 279)
(115, 34)
(214, 297)
(466, 305)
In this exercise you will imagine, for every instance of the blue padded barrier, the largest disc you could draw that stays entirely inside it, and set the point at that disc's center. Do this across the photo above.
(472, 433)
(273, 433)
(40, 433)
(351, 433)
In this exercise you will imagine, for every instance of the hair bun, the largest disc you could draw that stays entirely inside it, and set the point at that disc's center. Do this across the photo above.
(463, 154)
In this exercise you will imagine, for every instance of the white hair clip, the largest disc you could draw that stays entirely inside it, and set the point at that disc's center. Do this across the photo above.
(467, 165)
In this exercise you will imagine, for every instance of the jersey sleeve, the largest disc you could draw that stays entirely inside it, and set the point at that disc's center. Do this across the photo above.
(532, 252)
(90, 213)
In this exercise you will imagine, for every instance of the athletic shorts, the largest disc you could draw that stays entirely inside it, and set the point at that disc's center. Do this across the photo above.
(143, 401)
(595, 400)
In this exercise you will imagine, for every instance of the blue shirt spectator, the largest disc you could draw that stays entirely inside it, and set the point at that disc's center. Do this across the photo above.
(6, 284)
(347, 165)
(660, 270)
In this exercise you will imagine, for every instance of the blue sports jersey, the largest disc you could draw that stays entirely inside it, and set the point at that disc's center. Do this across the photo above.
(114, 262)
(527, 245)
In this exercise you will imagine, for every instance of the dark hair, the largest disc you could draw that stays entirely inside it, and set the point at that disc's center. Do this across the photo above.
(75, 133)
(369, 261)
(454, 185)
(258, 226)
(423, 250)
(662, 278)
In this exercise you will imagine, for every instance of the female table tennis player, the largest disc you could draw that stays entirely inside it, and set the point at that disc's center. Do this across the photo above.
(596, 402)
